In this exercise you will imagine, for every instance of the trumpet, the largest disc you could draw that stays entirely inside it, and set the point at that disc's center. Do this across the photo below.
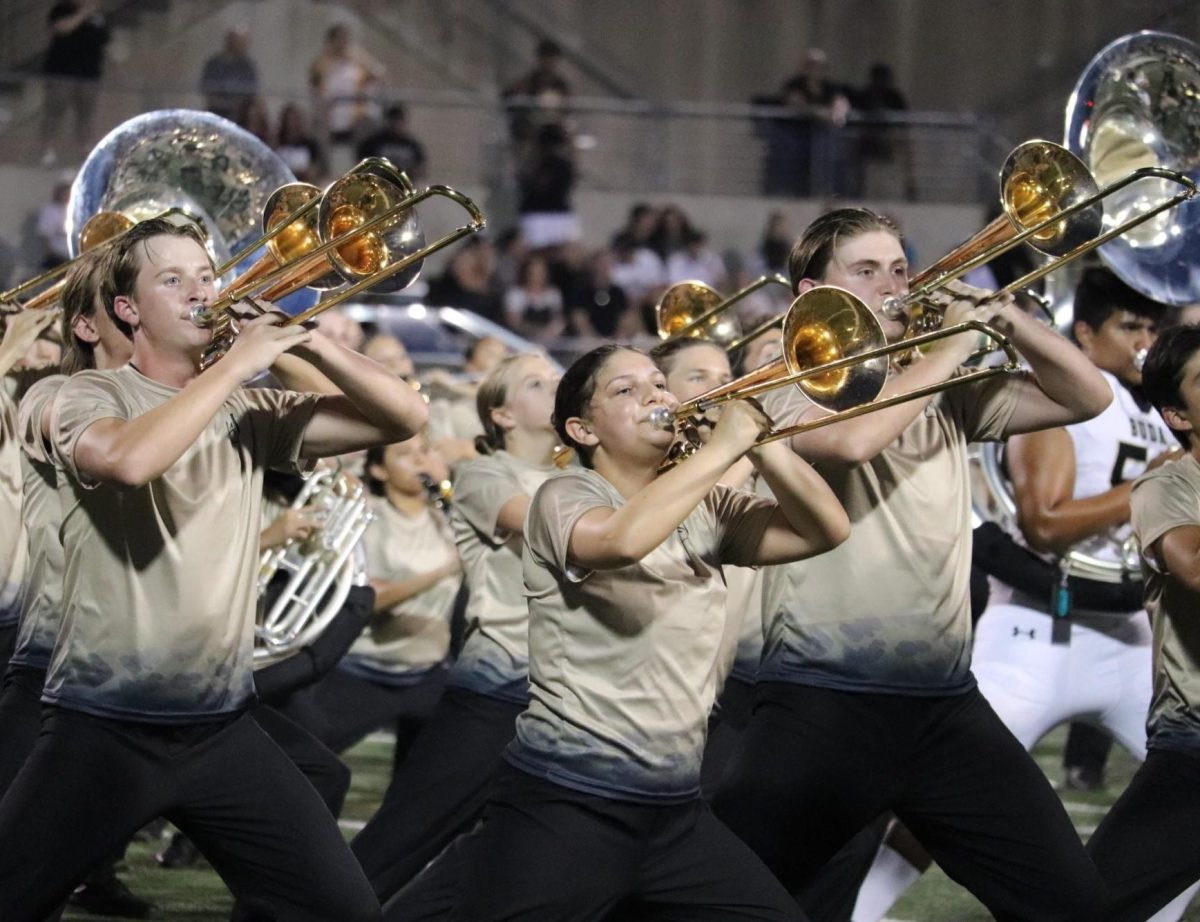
(696, 309)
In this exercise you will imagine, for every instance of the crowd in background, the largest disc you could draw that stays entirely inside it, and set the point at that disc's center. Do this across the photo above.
(535, 277)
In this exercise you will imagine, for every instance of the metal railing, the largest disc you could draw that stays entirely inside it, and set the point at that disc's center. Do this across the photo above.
(624, 145)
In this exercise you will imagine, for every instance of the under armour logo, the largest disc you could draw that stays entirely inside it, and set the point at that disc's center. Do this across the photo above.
(1017, 632)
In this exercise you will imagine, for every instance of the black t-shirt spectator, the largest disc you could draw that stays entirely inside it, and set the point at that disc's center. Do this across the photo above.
(405, 151)
(80, 52)
(546, 186)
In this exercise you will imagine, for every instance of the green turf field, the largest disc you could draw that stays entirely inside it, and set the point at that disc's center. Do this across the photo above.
(197, 895)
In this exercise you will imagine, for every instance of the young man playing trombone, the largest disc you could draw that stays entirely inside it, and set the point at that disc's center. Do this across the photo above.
(866, 701)
(160, 472)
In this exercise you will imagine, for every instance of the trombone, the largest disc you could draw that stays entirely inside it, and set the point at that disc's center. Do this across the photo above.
(835, 350)
(102, 228)
(696, 309)
(836, 353)
(1051, 202)
(368, 233)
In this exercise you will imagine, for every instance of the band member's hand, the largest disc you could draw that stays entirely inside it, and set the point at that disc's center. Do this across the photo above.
(741, 423)
(963, 303)
(23, 329)
(437, 469)
(291, 524)
(261, 342)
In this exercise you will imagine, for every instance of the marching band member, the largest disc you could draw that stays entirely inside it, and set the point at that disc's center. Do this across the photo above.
(160, 471)
(691, 367)
(90, 340)
(394, 672)
(1040, 667)
(441, 788)
(866, 701)
(623, 571)
(1144, 847)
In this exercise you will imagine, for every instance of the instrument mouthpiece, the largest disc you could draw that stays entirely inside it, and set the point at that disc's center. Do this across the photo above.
(662, 418)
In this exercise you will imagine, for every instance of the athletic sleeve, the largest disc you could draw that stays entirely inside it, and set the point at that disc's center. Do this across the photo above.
(985, 408)
(741, 518)
(481, 488)
(556, 508)
(36, 401)
(83, 399)
(277, 420)
(1162, 500)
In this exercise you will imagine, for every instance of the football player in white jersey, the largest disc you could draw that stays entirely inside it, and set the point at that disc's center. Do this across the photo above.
(1048, 649)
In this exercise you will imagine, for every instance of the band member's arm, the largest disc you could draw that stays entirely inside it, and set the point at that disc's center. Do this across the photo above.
(1178, 552)
(606, 538)
(391, 592)
(511, 517)
(1042, 468)
(1065, 388)
(21, 332)
(295, 374)
(809, 519)
(133, 452)
(856, 441)
(373, 408)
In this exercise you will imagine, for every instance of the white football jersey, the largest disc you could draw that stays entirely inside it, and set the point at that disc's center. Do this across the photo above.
(1112, 448)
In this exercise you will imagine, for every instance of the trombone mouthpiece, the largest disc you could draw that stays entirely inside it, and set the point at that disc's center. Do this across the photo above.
(201, 316)
(893, 309)
(1139, 358)
(662, 418)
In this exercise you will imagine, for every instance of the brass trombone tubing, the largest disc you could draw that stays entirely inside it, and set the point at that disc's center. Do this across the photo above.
(478, 223)
(693, 325)
(1189, 192)
(49, 295)
(726, 393)
(893, 306)
(755, 332)
(291, 219)
(207, 314)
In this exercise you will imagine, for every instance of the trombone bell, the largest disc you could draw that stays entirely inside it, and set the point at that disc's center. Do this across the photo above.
(683, 305)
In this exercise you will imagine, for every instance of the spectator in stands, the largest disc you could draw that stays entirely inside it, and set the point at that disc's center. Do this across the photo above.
(344, 78)
(776, 243)
(601, 308)
(229, 78)
(819, 109)
(52, 225)
(255, 118)
(391, 353)
(342, 329)
(534, 307)
(74, 64)
(641, 224)
(640, 273)
(395, 142)
(469, 280)
(296, 145)
(546, 181)
(543, 92)
(671, 231)
(696, 261)
(482, 356)
(512, 249)
(882, 147)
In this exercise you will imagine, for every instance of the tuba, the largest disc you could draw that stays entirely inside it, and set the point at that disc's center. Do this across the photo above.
(1136, 106)
(320, 569)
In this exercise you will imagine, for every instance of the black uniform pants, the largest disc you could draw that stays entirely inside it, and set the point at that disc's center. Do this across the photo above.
(551, 854)
(440, 789)
(89, 783)
(817, 765)
(1146, 846)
